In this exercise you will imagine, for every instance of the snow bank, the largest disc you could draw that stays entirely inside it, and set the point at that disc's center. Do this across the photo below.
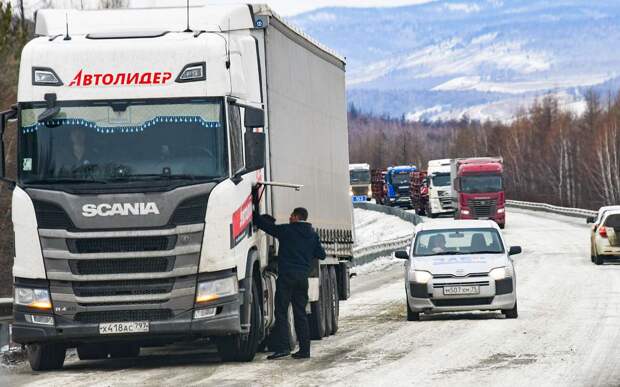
(373, 227)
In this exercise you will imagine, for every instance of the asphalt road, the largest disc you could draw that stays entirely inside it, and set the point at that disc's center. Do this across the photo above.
(567, 333)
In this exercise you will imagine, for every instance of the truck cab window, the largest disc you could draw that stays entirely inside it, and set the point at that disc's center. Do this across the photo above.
(236, 138)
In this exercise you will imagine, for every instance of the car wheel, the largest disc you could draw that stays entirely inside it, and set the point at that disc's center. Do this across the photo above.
(411, 315)
(598, 260)
(511, 313)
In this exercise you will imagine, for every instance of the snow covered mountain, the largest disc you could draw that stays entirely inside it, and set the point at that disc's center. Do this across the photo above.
(484, 58)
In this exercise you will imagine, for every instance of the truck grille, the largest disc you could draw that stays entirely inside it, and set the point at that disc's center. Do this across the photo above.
(360, 191)
(122, 266)
(123, 316)
(403, 191)
(122, 288)
(463, 301)
(483, 208)
(120, 245)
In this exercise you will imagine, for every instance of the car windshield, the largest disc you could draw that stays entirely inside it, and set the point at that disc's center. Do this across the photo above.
(360, 176)
(481, 183)
(458, 241)
(401, 178)
(125, 141)
(441, 179)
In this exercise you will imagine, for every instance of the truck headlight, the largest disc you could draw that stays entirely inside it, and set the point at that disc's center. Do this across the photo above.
(421, 277)
(33, 298)
(465, 212)
(501, 210)
(500, 273)
(369, 192)
(216, 289)
(350, 191)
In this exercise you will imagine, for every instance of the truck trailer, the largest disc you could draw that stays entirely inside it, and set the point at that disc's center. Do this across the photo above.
(146, 139)
(478, 189)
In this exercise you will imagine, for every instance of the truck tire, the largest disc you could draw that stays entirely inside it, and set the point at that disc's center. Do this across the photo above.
(329, 308)
(243, 348)
(124, 350)
(46, 357)
(92, 352)
(336, 300)
(317, 316)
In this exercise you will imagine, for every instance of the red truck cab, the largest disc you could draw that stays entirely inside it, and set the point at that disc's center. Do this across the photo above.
(479, 189)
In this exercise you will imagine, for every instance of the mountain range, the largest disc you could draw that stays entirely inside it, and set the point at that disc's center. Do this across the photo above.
(480, 58)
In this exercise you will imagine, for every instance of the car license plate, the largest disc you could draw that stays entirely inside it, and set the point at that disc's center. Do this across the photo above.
(361, 198)
(124, 327)
(461, 290)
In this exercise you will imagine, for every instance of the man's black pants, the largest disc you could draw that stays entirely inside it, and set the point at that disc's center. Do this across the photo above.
(291, 288)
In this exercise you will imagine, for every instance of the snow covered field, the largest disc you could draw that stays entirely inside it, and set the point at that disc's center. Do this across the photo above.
(566, 334)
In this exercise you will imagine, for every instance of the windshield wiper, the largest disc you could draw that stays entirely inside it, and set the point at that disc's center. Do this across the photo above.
(160, 177)
(442, 253)
(485, 252)
(60, 180)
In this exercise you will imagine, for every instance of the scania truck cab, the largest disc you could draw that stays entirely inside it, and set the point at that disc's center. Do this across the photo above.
(439, 188)
(360, 189)
(479, 189)
(398, 183)
(141, 156)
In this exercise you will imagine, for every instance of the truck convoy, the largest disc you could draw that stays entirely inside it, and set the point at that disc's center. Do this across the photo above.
(439, 188)
(141, 157)
(360, 188)
(478, 189)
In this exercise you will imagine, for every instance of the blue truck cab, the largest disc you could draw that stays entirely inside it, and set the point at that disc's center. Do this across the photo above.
(398, 183)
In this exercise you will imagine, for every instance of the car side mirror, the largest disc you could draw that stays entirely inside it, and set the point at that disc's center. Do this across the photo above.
(254, 118)
(401, 254)
(514, 250)
(254, 151)
(590, 219)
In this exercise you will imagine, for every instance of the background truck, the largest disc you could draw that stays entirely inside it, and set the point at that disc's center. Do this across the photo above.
(478, 189)
(379, 189)
(439, 188)
(419, 192)
(360, 188)
(398, 185)
(141, 157)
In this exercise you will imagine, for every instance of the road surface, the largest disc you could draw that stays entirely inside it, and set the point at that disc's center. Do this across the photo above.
(567, 333)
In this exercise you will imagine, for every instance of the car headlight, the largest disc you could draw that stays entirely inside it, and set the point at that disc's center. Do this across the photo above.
(33, 298)
(421, 277)
(216, 289)
(500, 273)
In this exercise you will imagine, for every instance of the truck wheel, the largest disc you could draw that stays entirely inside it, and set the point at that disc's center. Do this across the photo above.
(317, 316)
(326, 284)
(242, 348)
(92, 352)
(336, 300)
(46, 357)
(124, 350)
(511, 313)
(411, 315)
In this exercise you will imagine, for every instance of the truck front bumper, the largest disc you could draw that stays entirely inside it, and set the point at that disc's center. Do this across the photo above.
(225, 322)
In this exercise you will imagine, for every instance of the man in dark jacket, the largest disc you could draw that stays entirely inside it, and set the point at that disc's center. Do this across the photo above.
(299, 246)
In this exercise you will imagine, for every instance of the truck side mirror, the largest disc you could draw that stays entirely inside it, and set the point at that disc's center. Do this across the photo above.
(401, 254)
(590, 219)
(514, 250)
(4, 118)
(254, 151)
(254, 118)
(457, 184)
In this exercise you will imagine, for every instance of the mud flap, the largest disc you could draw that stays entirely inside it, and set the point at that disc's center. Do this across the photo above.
(344, 281)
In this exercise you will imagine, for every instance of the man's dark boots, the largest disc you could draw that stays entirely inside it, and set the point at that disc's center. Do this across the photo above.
(301, 355)
(278, 355)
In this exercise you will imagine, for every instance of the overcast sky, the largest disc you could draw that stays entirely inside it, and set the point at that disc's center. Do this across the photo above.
(288, 7)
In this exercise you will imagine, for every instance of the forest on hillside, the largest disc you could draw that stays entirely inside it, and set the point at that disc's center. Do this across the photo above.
(550, 155)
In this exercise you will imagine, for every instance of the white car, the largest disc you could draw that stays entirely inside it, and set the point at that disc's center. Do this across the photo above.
(605, 235)
(460, 266)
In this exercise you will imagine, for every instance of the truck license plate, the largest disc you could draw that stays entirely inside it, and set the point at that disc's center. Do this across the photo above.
(460, 290)
(361, 198)
(124, 327)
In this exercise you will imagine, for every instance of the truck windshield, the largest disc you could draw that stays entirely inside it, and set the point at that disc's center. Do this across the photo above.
(454, 241)
(360, 177)
(128, 141)
(481, 183)
(402, 178)
(441, 179)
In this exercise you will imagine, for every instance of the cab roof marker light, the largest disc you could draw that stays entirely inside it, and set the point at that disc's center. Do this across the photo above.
(44, 76)
(193, 72)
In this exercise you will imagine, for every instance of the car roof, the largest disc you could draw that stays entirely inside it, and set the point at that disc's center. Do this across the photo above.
(456, 224)
(611, 212)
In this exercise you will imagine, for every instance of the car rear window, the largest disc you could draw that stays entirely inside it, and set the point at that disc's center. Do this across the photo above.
(613, 221)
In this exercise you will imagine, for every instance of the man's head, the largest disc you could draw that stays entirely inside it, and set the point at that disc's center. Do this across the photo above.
(299, 214)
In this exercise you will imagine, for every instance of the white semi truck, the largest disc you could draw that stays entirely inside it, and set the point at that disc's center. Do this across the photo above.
(360, 188)
(439, 188)
(146, 137)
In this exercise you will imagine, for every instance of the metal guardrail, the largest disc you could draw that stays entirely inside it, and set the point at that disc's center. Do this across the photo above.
(369, 253)
(575, 212)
